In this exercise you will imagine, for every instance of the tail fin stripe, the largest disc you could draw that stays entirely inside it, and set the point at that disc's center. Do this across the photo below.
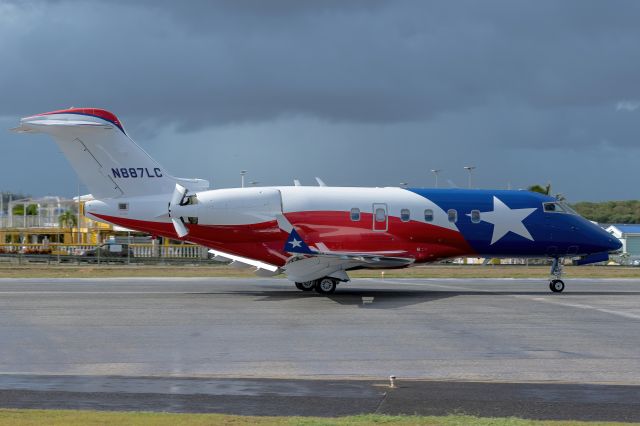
(91, 112)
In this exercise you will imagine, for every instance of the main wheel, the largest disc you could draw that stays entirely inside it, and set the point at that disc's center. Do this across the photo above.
(326, 285)
(556, 286)
(306, 285)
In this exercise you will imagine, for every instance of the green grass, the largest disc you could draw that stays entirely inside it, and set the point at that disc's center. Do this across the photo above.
(8, 270)
(88, 418)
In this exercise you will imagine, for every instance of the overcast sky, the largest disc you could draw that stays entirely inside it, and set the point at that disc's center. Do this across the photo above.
(365, 93)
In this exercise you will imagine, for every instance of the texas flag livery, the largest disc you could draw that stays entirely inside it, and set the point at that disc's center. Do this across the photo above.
(313, 234)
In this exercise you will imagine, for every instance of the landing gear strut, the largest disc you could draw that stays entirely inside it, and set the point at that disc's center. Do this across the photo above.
(556, 285)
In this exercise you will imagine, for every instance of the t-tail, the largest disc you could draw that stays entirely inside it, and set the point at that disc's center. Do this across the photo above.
(103, 155)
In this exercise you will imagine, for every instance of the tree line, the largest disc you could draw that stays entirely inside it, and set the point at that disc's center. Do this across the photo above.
(603, 212)
(610, 211)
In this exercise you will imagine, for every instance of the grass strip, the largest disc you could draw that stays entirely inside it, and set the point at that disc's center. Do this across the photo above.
(427, 271)
(21, 417)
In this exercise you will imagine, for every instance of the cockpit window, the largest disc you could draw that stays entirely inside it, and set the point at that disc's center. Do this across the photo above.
(552, 208)
(568, 208)
(558, 207)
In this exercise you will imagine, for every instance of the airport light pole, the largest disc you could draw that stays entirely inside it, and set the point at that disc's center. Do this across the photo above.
(469, 169)
(242, 175)
(78, 219)
(435, 172)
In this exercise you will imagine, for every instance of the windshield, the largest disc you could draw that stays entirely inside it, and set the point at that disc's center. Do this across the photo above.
(558, 207)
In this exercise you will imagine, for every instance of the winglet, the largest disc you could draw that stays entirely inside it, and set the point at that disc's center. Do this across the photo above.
(295, 244)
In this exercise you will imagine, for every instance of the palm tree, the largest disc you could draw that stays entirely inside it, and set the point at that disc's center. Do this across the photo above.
(546, 190)
(68, 220)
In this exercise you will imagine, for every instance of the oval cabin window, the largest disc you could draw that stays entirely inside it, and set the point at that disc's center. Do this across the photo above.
(428, 215)
(452, 215)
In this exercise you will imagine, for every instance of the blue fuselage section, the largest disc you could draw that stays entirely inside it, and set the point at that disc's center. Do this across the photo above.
(520, 223)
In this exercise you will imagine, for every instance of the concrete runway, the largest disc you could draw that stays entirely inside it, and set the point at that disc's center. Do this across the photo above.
(104, 330)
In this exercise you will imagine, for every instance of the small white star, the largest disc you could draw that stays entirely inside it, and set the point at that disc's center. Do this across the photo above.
(506, 220)
(295, 243)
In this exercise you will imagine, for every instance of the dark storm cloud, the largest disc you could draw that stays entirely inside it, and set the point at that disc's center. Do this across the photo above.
(455, 82)
(198, 63)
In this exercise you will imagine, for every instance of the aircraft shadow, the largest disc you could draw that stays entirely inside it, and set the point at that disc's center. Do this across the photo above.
(389, 299)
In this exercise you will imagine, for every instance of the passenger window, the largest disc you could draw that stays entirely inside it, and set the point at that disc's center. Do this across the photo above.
(475, 216)
(381, 215)
(405, 215)
(428, 215)
(452, 214)
(123, 206)
(355, 214)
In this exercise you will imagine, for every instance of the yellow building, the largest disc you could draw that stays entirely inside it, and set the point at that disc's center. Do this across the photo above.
(50, 220)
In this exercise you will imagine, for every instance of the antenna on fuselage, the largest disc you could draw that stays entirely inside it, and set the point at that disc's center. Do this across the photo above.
(320, 182)
(296, 182)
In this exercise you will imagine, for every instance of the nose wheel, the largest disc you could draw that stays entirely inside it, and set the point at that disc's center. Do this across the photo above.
(556, 285)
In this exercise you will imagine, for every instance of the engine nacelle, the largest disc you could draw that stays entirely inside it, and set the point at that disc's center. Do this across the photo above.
(236, 206)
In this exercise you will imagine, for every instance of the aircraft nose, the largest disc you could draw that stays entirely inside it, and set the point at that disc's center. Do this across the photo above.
(604, 241)
(613, 244)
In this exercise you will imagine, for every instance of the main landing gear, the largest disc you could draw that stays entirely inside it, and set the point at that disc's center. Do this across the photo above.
(326, 285)
(556, 285)
(306, 285)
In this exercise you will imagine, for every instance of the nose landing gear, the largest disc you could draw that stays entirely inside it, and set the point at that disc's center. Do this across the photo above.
(556, 285)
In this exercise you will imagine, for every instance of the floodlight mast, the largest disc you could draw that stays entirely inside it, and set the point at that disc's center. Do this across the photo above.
(470, 170)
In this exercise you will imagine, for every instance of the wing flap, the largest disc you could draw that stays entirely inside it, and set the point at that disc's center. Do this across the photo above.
(262, 268)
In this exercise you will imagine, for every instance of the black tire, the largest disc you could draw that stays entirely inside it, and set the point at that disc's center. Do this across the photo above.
(299, 286)
(306, 285)
(556, 286)
(326, 285)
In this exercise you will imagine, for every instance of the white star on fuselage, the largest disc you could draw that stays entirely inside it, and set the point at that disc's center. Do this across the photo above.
(295, 243)
(505, 219)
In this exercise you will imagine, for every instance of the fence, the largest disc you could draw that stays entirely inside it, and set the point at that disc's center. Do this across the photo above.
(78, 252)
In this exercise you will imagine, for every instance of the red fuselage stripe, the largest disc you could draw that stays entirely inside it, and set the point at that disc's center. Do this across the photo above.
(334, 229)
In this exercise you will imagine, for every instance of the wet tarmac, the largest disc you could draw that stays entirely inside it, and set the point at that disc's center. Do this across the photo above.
(258, 346)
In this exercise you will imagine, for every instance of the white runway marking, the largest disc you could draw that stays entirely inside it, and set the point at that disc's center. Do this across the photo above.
(582, 306)
(535, 299)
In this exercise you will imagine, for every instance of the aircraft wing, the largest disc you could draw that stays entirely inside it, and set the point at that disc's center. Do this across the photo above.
(296, 245)
(312, 263)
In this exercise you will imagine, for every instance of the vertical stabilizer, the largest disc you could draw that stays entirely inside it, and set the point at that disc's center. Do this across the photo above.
(106, 159)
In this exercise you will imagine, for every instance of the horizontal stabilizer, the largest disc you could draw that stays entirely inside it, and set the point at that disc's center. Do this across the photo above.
(35, 126)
